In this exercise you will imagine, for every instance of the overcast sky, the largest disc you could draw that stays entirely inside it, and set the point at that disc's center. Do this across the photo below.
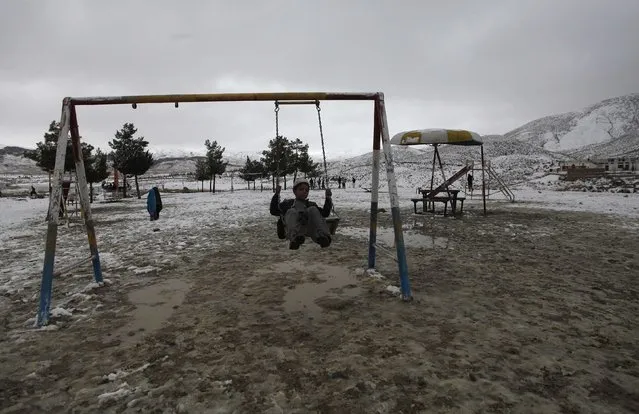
(488, 66)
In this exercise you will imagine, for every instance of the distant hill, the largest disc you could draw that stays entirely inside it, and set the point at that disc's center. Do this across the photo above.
(624, 146)
(606, 129)
(12, 162)
(601, 123)
(17, 151)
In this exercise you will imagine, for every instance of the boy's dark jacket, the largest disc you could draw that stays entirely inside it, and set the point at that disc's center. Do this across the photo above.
(280, 210)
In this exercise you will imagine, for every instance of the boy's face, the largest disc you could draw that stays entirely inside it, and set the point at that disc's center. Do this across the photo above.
(301, 192)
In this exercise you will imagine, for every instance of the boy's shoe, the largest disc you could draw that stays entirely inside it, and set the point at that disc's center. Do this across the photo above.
(324, 241)
(281, 231)
(295, 244)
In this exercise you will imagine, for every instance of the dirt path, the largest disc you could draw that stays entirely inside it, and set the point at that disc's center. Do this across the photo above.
(520, 311)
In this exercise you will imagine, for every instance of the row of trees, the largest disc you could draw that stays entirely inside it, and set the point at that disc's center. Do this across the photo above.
(285, 157)
(212, 166)
(282, 158)
(128, 155)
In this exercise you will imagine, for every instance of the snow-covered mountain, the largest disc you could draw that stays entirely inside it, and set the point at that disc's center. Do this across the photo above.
(600, 123)
(606, 129)
(624, 146)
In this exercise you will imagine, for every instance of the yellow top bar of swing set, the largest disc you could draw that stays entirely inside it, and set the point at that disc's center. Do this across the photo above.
(225, 97)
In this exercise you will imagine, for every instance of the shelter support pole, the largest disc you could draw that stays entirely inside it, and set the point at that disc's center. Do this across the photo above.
(432, 171)
(483, 178)
(85, 201)
(394, 200)
(374, 188)
(441, 168)
(46, 285)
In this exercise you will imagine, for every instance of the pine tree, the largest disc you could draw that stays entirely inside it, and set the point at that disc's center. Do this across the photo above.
(306, 164)
(140, 164)
(216, 165)
(278, 157)
(96, 170)
(129, 154)
(202, 172)
(45, 152)
(251, 171)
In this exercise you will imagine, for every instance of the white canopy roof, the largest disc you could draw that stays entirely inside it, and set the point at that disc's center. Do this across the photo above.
(436, 136)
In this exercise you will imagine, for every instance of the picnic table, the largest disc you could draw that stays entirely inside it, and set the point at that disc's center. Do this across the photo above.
(446, 197)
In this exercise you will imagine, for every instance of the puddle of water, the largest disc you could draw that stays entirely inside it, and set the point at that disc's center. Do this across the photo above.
(386, 237)
(338, 285)
(154, 304)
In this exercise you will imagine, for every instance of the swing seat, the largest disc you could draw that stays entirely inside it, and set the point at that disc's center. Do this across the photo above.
(332, 223)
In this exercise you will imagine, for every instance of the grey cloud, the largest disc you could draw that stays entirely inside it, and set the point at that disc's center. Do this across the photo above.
(487, 66)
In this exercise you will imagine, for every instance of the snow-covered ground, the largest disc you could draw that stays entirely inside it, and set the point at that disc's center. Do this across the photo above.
(184, 213)
(23, 219)
(618, 204)
(142, 258)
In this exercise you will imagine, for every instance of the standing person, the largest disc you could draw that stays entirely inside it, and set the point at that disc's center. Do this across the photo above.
(470, 183)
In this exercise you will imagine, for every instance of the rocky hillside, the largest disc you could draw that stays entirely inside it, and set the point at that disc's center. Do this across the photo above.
(626, 145)
(601, 123)
(12, 162)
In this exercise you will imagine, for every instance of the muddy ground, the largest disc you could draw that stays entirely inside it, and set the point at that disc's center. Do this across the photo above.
(523, 311)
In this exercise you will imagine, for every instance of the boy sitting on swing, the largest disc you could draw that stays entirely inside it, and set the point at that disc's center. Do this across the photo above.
(301, 216)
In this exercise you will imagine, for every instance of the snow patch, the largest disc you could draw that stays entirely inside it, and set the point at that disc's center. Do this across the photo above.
(374, 274)
(394, 290)
(58, 312)
(590, 129)
(122, 392)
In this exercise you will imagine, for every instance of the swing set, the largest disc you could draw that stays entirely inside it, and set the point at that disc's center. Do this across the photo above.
(331, 221)
(69, 130)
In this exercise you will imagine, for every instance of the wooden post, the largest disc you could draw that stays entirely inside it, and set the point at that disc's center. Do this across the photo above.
(372, 240)
(394, 201)
(84, 196)
(225, 97)
(46, 285)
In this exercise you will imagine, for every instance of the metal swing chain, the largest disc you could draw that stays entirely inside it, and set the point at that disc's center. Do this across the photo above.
(277, 134)
(319, 119)
(277, 122)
